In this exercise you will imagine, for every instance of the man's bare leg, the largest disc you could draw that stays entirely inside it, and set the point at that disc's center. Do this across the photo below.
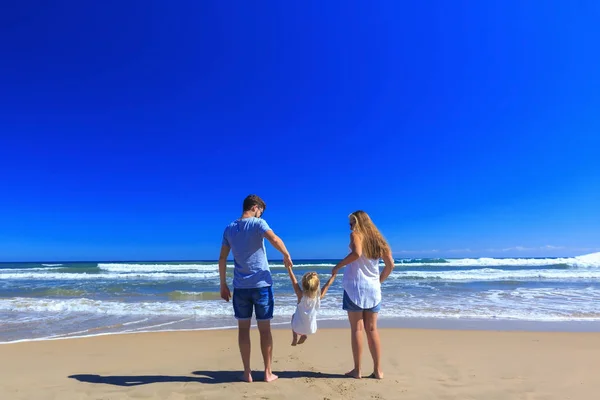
(244, 343)
(266, 346)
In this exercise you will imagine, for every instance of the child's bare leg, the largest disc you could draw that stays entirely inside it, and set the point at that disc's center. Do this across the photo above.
(294, 334)
(302, 339)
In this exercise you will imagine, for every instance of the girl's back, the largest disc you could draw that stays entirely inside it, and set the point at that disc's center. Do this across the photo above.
(361, 282)
(304, 321)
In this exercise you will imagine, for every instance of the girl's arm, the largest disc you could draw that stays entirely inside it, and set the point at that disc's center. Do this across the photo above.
(326, 286)
(389, 266)
(355, 253)
(297, 288)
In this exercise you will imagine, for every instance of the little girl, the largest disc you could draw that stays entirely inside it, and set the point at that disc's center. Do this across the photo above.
(304, 320)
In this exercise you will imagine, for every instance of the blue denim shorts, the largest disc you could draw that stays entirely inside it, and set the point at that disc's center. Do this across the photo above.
(259, 299)
(348, 305)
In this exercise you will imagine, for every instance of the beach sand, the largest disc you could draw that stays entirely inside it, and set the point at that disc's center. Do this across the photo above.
(418, 364)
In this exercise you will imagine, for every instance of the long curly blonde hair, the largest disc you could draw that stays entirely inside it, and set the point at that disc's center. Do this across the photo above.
(374, 245)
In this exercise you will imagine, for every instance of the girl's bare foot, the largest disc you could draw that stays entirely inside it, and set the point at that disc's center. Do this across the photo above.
(247, 376)
(270, 377)
(353, 374)
(294, 338)
(302, 339)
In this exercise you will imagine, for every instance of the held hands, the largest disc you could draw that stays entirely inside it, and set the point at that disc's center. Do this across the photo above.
(225, 293)
(287, 261)
(335, 270)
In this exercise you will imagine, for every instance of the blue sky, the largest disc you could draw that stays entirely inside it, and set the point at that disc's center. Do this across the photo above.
(133, 130)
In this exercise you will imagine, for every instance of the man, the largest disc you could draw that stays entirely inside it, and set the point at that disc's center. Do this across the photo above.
(252, 282)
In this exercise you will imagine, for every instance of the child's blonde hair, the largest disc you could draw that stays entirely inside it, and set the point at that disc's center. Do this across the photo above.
(310, 284)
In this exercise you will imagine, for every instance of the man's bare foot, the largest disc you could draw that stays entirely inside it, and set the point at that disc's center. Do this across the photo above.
(376, 375)
(247, 376)
(302, 339)
(270, 377)
(353, 374)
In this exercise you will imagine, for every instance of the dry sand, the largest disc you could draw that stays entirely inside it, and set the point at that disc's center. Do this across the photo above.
(419, 364)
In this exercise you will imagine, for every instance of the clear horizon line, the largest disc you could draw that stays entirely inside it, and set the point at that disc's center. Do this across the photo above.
(270, 260)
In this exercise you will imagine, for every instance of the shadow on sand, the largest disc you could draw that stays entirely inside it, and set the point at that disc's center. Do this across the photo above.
(205, 377)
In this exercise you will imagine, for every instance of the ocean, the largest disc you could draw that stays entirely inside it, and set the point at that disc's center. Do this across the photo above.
(60, 300)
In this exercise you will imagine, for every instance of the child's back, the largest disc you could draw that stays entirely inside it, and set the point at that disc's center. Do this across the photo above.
(304, 320)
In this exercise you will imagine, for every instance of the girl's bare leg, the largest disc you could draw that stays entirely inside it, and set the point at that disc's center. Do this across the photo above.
(356, 330)
(374, 342)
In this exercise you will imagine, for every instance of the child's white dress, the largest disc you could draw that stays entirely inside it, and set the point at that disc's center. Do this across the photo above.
(304, 320)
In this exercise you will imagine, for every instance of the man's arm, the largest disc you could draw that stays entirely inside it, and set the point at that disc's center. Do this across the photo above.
(225, 293)
(279, 246)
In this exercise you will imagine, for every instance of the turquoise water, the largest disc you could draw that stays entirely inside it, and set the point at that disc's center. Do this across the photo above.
(42, 300)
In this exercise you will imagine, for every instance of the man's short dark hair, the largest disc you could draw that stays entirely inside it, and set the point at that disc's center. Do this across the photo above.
(253, 200)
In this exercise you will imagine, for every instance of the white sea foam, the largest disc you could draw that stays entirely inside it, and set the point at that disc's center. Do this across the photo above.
(52, 265)
(303, 265)
(589, 294)
(569, 293)
(137, 268)
(585, 261)
(492, 274)
(12, 270)
(107, 276)
(491, 313)
(61, 318)
(480, 274)
(588, 260)
(286, 305)
(535, 304)
(89, 306)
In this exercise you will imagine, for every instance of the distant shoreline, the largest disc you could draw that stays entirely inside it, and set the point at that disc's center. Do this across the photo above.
(426, 324)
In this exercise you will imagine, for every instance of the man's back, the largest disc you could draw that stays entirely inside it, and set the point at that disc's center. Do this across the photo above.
(253, 286)
(245, 238)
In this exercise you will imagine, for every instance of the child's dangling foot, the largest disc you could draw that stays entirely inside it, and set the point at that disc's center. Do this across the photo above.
(295, 340)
